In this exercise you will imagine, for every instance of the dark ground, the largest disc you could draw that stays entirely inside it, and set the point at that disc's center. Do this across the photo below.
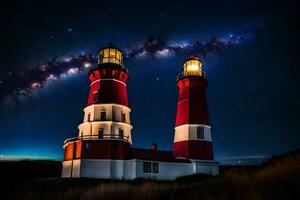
(279, 178)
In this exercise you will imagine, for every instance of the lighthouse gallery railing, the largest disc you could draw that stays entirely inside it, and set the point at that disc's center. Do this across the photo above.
(97, 137)
(191, 73)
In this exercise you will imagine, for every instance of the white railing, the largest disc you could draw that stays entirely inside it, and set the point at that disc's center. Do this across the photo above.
(97, 137)
(191, 73)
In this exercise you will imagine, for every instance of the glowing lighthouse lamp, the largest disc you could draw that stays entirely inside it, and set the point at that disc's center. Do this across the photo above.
(192, 65)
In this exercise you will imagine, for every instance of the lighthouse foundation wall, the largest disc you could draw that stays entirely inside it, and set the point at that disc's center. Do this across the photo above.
(135, 168)
(71, 168)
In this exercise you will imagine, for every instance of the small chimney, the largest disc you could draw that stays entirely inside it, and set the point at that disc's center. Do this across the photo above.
(154, 147)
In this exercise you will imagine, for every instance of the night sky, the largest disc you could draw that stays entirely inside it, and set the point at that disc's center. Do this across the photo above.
(250, 52)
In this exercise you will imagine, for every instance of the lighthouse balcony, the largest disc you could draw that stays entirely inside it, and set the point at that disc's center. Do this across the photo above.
(98, 137)
(191, 73)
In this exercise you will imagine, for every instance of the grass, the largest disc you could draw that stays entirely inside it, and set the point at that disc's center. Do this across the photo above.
(278, 178)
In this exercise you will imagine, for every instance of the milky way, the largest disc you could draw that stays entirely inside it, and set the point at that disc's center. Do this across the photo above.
(161, 47)
(23, 83)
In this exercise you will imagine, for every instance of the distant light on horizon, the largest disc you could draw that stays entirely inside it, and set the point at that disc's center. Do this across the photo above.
(243, 160)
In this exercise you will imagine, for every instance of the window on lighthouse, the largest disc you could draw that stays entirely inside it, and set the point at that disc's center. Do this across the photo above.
(112, 56)
(100, 133)
(123, 117)
(121, 133)
(200, 132)
(103, 116)
(95, 96)
(86, 146)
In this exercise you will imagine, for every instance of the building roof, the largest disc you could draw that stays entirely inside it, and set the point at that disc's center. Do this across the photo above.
(155, 155)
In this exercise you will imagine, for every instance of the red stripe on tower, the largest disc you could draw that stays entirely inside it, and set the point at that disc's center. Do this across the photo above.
(108, 79)
(192, 103)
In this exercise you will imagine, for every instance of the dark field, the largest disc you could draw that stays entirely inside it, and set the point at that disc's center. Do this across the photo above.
(279, 178)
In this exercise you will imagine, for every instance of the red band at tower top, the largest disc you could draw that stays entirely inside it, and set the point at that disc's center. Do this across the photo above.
(108, 78)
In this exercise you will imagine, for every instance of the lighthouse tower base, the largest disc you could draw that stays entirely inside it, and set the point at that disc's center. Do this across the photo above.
(142, 163)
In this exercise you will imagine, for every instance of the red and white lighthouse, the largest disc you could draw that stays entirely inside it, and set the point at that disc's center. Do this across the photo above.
(107, 115)
(105, 132)
(192, 138)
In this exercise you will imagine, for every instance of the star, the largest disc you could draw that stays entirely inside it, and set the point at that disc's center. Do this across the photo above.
(87, 65)
(69, 29)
